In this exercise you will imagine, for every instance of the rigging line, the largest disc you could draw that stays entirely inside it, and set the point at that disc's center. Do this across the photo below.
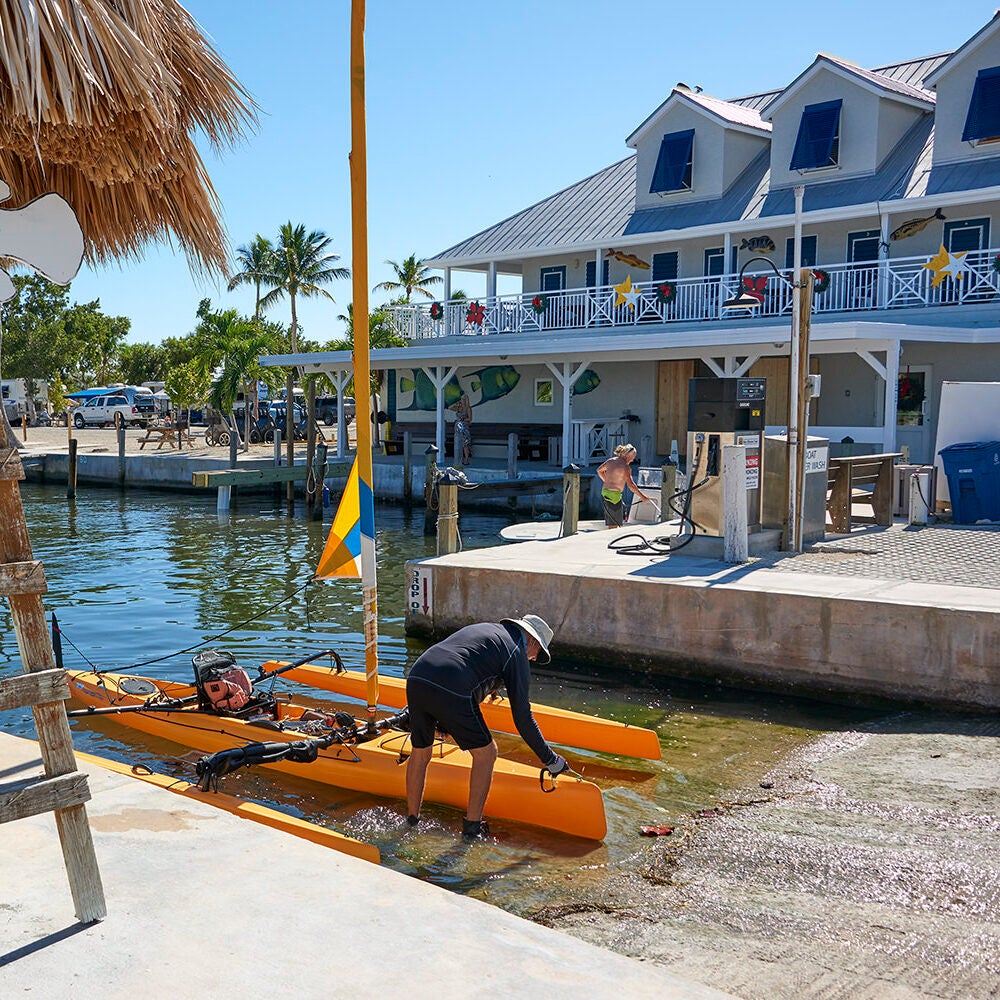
(83, 655)
(219, 635)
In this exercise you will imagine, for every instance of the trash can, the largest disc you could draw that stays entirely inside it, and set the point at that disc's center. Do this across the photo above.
(973, 471)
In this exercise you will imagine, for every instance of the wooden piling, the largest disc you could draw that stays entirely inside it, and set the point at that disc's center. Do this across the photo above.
(571, 501)
(71, 471)
(407, 468)
(120, 431)
(512, 456)
(314, 495)
(311, 494)
(447, 518)
(430, 478)
(290, 435)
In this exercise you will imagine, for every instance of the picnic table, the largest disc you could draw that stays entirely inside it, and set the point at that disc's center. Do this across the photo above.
(169, 434)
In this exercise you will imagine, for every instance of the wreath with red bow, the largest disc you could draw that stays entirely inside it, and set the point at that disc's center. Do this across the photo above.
(666, 293)
(540, 303)
(437, 310)
(476, 314)
(821, 281)
(911, 394)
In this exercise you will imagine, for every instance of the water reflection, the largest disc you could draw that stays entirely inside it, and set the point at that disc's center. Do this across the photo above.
(143, 576)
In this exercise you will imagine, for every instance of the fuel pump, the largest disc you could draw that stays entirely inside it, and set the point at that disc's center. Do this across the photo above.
(723, 411)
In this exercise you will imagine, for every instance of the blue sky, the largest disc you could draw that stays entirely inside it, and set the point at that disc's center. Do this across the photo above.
(475, 111)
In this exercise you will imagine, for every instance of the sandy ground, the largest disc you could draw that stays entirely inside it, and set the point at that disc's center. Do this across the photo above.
(866, 866)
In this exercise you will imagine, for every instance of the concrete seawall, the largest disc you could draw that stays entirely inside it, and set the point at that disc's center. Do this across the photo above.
(831, 636)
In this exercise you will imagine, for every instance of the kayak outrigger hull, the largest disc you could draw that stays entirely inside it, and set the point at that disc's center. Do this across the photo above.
(575, 807)
(557, 725)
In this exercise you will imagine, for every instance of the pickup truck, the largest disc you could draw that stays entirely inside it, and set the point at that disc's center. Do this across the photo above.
(100, 410)
(326, 409)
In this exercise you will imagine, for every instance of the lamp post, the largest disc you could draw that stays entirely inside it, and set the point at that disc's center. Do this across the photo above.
(798, 370)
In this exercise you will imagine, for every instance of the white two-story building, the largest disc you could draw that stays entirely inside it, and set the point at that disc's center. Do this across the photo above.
(624, 273)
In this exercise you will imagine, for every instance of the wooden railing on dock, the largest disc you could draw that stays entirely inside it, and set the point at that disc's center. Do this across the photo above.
(864, 480)
(63, 789)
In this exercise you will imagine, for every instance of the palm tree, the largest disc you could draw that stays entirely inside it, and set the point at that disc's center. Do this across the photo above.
(255, 261)
(232, 348)
(411, 276)
(380, 336)
(300, 265)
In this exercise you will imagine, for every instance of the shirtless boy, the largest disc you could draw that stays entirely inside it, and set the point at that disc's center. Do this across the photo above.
(615, 475)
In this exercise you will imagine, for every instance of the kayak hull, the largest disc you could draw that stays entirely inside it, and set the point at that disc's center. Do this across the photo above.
(575, 807)
(557, 725)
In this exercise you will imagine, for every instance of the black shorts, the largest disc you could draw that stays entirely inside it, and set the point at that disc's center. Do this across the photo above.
(434, 707)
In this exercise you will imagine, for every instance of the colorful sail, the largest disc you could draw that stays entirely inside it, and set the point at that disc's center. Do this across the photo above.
(353, 530)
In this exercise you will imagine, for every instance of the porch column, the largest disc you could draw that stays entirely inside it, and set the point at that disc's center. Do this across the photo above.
(340, 380)
(491, 280)
(439, 381)
(727, 253)
(566, 375)
(892, 352)
(447, 299)
(883, 263)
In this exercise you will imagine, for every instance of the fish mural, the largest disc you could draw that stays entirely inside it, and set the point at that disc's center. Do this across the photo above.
(484, 385)
(759, 243)
(627, 258)
(587, 382)
(913, 226)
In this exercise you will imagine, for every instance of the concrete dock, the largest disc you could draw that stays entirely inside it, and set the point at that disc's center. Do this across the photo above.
(900, 614)
(204, 904)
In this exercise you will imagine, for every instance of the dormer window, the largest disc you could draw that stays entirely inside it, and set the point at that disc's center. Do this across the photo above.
(983, 121)
(818, 141)
(673, 165)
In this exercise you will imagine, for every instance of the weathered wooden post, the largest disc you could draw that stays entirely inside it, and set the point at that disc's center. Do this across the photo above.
(668, 487)
(447, 519)
(734, 503)
(277, 447)
(120, 428)
(430, 478)
(512, 456)
(314, 496)
(71, 470)
(24, 426)
(311, 495)
(571, 501)
(407, 468)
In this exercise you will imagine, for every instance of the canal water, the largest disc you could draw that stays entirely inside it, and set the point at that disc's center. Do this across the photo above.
(142, 576)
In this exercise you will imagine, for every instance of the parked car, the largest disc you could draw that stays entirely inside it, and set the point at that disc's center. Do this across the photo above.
(100, 410)
(277, 412)
(326, 409)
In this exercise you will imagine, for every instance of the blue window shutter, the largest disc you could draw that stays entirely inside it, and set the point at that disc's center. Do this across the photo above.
(818, 129)
(665, 266)
(808, 252)
(983, 120)
(592, 270)
(673, 165)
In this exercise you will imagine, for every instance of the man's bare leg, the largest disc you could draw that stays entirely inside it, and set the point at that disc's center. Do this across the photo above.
(480, 779)
(416, 777)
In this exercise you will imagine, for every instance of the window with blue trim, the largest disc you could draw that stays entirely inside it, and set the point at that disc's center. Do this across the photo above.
(715, 260)
(674, 163)
(818, 142)
(983, 120)
(808, 251)
(552, 279)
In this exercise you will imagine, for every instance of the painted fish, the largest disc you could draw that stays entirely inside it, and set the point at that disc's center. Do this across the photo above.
(628, 258)
(764, 243)
(587, 382)
(494, 382)
(424, 394)
(913, 226)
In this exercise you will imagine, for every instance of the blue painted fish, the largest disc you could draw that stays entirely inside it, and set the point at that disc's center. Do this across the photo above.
(587, 382)
(424, 393)
(758, 243)
(494, 382)
(913, 226)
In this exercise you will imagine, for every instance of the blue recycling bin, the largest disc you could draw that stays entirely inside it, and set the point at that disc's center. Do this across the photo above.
(973, 471)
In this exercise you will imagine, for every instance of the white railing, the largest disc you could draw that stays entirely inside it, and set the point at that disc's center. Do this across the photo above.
(902, 283)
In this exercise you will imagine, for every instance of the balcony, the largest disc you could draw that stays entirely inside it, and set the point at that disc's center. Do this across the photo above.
(901, 283)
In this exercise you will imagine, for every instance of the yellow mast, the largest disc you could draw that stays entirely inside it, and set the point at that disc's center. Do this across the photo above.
(362, 364)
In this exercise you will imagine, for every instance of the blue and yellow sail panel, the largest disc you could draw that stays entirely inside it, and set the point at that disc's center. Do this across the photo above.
(353, 532)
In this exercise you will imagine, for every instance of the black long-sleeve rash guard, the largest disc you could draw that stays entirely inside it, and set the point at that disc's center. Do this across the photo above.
(471, 661)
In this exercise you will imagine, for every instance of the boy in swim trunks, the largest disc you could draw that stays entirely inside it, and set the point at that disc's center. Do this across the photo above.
(615, 475)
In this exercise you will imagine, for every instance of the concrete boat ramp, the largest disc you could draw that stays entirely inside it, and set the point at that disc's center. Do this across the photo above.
(901, 614)
(204, 904)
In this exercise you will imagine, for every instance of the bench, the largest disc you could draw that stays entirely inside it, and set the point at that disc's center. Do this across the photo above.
(532, 439)
(860, 480)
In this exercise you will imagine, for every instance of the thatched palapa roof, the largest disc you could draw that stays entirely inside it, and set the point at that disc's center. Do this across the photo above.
(99, 101)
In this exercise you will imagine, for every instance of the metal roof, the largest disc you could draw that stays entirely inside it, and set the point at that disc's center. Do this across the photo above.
(885, 82)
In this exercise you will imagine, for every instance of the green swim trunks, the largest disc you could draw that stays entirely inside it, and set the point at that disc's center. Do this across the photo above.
(614, 508)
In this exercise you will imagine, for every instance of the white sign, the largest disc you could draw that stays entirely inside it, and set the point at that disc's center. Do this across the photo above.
(753, 472)
(419, 595)
(817, 459)
(748, 440)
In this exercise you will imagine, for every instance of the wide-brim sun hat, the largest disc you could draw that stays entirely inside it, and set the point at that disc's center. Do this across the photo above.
(539, 630)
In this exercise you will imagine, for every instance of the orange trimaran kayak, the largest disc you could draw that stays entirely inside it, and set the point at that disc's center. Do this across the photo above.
(557, 725)
(376, 767)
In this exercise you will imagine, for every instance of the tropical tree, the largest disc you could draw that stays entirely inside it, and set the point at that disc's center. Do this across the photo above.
(138, 363)
(381, 335)
(411, 276)
(188, 384)
(301, 264)
(256, 263)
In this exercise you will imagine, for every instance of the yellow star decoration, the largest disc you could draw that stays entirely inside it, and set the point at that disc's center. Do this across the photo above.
(627, 295)
(945, 264)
